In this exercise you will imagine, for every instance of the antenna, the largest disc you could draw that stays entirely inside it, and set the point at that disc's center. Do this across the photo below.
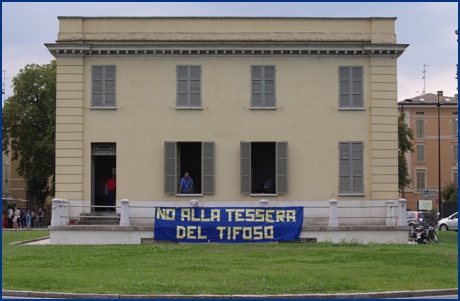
(3, 85)
(424, 77)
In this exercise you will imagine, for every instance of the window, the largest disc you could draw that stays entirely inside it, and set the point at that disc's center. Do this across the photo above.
(454, 128)
(264, 164)
(351, 168)
(419, 113)
(455, 176)
(188, 87)
(103, 87)
(420, 180)
(351, 88)
(455, 152)
(263, 87)
(420, 153)
(195, 158)
(420, 128)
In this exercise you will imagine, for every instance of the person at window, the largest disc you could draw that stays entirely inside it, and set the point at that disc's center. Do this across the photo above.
(111, 187)
(267, 185)
(186, 184)
(272, 188)
(261, 188)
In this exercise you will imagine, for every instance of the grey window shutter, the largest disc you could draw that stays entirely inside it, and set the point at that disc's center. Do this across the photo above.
(256, 86)
(420, 128)
(208, 167)
(454, 128)
(269, 86)
(182, 86)
(282, 167)
(455, 149)
(344, 168)
(357, 87)
(170, 168)
(420, 153)
(195, 86)
(245, 148)
(357, 167)
(109, 86)
(97, 86)
(420, 180)
(344, 87)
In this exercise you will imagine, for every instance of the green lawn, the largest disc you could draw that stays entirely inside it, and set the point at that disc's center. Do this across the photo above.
(228, 269)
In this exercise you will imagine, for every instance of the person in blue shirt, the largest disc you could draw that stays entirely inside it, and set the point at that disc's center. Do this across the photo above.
(186, 184)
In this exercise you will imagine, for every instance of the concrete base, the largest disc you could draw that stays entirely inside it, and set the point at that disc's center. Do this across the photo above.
(107, 235)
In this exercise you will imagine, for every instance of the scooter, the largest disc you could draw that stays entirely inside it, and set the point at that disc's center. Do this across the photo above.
(424, 236)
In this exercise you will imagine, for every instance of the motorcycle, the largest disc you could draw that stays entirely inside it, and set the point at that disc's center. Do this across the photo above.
(424, 236)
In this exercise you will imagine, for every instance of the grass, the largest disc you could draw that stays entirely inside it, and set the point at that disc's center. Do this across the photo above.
(228, 269)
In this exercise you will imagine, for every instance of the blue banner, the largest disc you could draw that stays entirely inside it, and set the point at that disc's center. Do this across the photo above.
(228, 224)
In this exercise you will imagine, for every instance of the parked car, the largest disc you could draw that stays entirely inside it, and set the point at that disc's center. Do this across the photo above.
(449, 223)
(418, 218)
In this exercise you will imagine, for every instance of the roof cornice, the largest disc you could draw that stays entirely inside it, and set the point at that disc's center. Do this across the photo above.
(206, 49)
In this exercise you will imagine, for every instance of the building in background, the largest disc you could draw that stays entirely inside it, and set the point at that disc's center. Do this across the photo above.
(305, 103)
(422, 117)
(13, 185)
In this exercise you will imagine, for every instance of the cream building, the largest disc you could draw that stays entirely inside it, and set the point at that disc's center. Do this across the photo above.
(309, 103)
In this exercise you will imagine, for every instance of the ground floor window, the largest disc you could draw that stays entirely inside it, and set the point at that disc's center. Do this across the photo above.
(351, 180)
(263, 167)
(420, 179)
(194, 158)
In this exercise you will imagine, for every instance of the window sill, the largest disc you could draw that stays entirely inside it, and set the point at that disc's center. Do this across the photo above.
(103, 108)
(351, 194)
(263, 195)
(189, 108)
(263, 108)
(189, 195)
(351, 109)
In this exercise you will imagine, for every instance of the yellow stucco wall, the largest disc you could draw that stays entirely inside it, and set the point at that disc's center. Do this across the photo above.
(307, 114)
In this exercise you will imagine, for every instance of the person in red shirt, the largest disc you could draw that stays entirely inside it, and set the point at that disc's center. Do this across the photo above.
(111, 185)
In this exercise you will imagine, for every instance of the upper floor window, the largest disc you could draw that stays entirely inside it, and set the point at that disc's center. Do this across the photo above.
(420, 153)
(103, 87)
(188, 87)
(454, 128)
(263, 87)
(420, 179)
(420, 128)
(351, 88)
(455, 153)
(351, 172)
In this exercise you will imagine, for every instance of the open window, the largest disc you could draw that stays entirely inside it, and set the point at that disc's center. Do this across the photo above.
(263, 168)
(195, 158)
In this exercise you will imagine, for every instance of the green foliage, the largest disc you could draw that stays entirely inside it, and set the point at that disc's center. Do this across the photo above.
(449, 193)
(405, 135)
(224, 269)
(29, 126)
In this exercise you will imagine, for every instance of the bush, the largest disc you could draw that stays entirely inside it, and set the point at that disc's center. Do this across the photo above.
(449, 193)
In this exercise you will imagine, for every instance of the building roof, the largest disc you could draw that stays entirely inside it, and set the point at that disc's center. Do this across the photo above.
(217, 17)
(430, 98)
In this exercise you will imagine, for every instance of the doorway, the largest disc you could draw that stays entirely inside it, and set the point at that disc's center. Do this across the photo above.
(189, 160)
(103, 166)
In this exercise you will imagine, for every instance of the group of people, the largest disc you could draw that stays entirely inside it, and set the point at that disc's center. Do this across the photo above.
(15, 218)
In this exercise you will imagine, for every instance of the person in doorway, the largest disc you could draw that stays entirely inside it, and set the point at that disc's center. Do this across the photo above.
(261, 188)
(267, 185)
(186, 184)
(106, 192)
(111, 187)
(272, 188)
(40, 215)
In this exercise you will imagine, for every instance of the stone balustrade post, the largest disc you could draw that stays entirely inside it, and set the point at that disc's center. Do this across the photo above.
(390, 220)
(263, 203)
(57, 211)
(402, 219)
(333, 214)
(124, 213)
(194, 203)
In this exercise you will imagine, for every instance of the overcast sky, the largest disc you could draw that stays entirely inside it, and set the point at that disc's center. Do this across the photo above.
(429, 28)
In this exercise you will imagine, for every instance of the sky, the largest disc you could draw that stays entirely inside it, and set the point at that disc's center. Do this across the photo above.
(429, 28)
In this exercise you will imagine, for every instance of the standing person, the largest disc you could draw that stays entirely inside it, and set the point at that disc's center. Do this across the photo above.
(32, 215)
(23, 219)
(40, 215)
(106, 192)
(17, 218)
(9, 215)
(186, 184)
(111, 187)
(4, 219)
(28, 219)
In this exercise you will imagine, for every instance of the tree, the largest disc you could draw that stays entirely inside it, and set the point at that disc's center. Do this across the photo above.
(449, 193)
(405, 135)
(29, 126)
